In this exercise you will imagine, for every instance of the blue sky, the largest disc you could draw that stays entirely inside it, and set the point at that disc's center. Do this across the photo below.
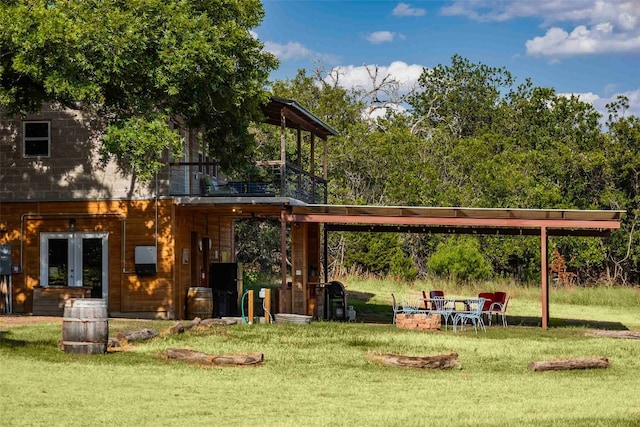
(585, 47)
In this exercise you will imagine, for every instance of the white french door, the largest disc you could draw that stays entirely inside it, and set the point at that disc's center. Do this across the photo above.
(75, 259)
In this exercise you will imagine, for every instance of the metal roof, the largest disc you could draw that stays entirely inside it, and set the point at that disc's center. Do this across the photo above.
(457, 216)
(297, 116)
(422, 219)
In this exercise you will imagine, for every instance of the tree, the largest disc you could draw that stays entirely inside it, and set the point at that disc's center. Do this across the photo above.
(461, 97)
(623, 155)
(135, 64)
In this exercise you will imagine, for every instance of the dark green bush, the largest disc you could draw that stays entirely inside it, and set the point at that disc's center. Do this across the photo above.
(460, 258)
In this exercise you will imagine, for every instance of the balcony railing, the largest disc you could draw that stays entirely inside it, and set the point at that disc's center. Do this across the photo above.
(186, 180)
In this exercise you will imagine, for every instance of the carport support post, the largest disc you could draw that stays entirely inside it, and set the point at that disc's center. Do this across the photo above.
(544, 273)
(283, 263)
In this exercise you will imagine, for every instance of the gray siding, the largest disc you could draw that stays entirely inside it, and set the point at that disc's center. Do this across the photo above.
(73, 171)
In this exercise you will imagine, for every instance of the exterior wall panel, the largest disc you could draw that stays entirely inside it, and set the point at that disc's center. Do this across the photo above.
(73, 170)
(128, 225)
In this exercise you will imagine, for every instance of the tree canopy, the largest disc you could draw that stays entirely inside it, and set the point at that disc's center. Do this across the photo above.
(135, 64)
(470, 136)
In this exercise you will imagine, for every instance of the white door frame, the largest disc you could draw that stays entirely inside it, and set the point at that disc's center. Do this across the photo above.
(74, 241)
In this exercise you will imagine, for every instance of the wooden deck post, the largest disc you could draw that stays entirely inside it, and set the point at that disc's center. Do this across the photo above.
(267, 305)
(544, 273)
(250, 306)
(283, 263)
(283, 153)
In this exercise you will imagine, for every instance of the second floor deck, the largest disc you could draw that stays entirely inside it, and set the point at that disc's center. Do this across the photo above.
(276, 180)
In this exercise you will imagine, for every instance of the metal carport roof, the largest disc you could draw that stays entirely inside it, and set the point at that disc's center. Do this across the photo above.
(507, 221)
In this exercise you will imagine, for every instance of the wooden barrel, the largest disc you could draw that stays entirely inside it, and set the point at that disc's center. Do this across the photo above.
(85, 326)
(200, 303)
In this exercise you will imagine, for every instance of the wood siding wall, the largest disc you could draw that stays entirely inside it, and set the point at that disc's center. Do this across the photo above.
(305, 260)
(128, 224)
(219, 230)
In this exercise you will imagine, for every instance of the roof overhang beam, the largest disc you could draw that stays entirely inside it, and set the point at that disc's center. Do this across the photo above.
(486, 231)
(456, 222)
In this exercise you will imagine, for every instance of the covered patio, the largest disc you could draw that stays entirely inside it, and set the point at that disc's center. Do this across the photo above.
(306, 219)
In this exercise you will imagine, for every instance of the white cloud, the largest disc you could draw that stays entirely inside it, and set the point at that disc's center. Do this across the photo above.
(357, 77)
(582, 40)
(634, 102)
(290, 50)
(600, 102)
(383, 37)
(404, 9)
(295, 50)
(360, 78)
(582, 27)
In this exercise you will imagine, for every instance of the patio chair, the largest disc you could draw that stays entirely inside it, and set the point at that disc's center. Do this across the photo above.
(443, 307)
(499, 308)
(490, 298)
(412, 305)
(474, 315)
(395, 307)
(435, 294)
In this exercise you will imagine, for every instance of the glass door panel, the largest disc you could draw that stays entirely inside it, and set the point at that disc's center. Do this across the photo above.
(92, 265)
(75, 259)
(58, 273)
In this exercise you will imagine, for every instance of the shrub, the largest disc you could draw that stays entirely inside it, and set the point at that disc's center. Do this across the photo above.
(460, 258)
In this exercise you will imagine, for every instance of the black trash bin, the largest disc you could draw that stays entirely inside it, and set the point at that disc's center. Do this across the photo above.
(225, 303)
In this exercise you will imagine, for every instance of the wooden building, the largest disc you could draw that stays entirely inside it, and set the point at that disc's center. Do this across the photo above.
(74, 226)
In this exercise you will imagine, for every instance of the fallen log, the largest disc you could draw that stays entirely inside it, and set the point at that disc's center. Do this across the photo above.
(179, 328)
(441, 361)
(218, 322)
(122, 338)
(633, 335)
(198, 358)
(139, 335)
(566, 364)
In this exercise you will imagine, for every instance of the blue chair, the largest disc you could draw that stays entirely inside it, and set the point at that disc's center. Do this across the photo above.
(474, 315)
(395, 306)
(413, 305)
(443, 307)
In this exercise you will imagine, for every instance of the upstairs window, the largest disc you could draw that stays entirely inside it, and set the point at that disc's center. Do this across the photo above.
(37, 139)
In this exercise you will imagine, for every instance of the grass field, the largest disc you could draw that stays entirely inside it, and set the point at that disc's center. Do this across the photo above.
(319, 375)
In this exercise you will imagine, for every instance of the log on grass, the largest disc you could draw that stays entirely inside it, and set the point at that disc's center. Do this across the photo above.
(139, 335)
(122, 338)
(218, 322)
(198, 358)
(440, 361)
(566, 364)
(633, 335)
(179, 328)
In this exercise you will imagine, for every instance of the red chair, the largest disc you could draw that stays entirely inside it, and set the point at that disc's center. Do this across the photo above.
(499, 307)
(435, 294)
(489, 299)
(500, 297)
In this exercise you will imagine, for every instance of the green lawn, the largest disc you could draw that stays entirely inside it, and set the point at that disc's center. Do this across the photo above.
(319, 374)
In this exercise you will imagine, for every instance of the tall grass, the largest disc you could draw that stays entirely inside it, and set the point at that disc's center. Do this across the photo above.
(372, 296)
